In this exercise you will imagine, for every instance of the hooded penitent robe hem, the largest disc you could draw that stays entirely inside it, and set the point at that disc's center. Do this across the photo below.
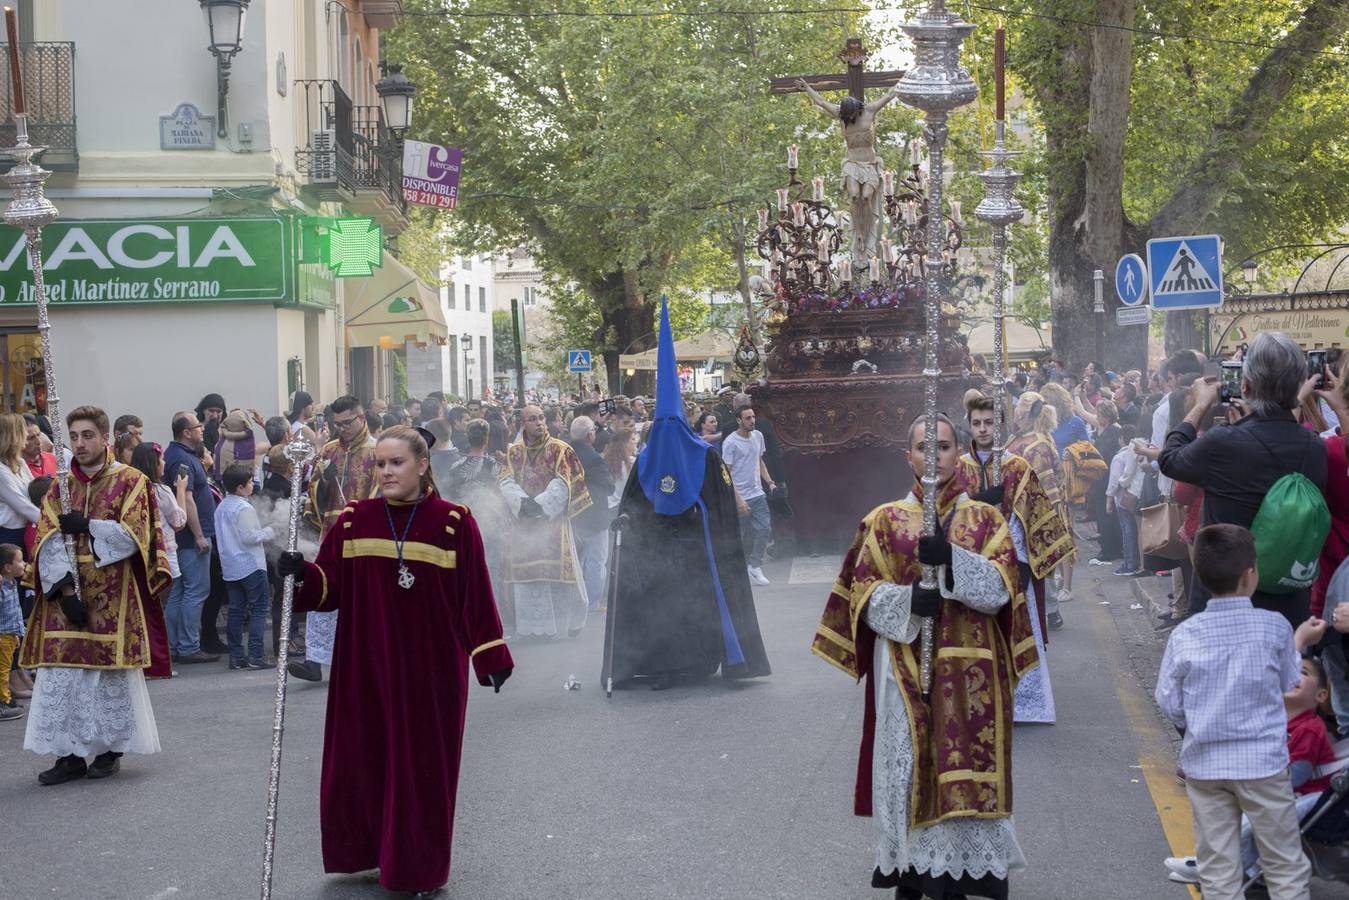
(668, 617)
(979, 657)
(400, 680)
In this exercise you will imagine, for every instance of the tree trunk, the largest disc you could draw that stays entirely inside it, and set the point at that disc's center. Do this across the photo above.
(742, 272)
(1089, 230)
(626, 315)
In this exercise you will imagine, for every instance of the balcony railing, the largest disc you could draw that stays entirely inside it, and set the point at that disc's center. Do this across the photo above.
(325, 159)
(350, 153)
(49, 90)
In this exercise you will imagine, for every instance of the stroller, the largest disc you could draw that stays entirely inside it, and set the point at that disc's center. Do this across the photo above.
(1325, 827)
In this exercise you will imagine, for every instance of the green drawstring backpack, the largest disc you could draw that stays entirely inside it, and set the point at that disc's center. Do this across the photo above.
(1289, 528)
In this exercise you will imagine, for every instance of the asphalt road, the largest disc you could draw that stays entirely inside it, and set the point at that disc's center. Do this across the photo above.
(711, 791)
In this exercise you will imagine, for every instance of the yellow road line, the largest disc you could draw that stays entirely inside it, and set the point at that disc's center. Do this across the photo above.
(1154, 746)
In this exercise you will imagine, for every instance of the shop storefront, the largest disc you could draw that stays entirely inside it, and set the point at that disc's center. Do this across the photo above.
(148, 315)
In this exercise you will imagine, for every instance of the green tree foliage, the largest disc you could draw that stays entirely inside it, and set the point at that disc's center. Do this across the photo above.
(629, 153)
(503, 341)
(1231, 123)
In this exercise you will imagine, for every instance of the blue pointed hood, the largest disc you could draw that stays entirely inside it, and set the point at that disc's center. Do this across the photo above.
(671, 467)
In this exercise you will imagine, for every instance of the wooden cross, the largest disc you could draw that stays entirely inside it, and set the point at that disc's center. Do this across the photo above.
(855, 81)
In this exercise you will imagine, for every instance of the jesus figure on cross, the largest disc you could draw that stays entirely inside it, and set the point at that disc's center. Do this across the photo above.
(863, 170)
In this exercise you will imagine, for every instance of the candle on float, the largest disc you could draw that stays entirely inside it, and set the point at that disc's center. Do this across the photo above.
(822, 249)
(999, 62)
(791, 156)
(911, 213)
(875, 269)
(818, 183)
(915, 154)
(885, 250)
(955, 212)
(889, 181)
(763, 218)
(798, 214)
(15, 75)
(845, 269)
(782, 199)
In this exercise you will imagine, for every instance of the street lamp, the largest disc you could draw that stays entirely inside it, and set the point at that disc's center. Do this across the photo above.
(395, 95)
(225, 28)
(466, 341)
(1250, 270)
(1098, 305)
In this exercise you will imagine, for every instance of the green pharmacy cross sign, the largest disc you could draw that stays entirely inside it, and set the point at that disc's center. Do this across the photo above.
(353, 248)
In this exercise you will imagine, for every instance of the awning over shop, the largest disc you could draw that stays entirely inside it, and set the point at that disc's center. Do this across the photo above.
(715, 345)
(1022, 341)
(391, 307)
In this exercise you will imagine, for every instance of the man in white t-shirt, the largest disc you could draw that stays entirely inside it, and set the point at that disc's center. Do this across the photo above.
(743, 452)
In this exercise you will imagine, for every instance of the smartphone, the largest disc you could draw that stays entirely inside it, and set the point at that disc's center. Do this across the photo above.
(607, 406)
(183, 471)
(1316, 365)
(1229, 385)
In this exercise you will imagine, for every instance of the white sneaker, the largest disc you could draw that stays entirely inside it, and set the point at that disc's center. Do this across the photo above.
(1183, 869)
(757, 576)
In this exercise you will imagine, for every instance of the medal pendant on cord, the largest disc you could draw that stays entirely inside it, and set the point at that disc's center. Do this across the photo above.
(405, 577)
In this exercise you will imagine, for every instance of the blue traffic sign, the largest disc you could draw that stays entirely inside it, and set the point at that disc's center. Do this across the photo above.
(1131, 280)
(1186, 272)
(578, 361)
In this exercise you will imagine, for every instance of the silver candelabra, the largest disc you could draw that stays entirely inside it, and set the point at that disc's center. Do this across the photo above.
(936, 84)
(1000, 209)
(30, 210)
(299, 452)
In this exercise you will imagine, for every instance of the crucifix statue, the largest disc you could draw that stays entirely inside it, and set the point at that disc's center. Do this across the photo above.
(863, 170)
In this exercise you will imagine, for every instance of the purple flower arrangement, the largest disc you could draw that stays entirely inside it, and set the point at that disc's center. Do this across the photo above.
(882, 296)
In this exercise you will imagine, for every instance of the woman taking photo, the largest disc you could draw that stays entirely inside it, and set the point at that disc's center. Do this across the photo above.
(17, 512)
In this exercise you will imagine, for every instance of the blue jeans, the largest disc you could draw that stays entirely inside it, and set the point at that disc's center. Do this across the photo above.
(1128, 527)
(248, 597)
(594, 553)
(755, 530)
(182, 614)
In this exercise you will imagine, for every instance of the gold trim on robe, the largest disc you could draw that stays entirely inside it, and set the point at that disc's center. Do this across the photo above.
(115, 637)
(962, 734)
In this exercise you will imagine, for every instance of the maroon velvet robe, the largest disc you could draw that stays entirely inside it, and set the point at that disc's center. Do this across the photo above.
(399, 685)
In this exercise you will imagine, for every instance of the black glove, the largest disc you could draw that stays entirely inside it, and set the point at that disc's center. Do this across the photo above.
(499, 678)
(74, 609)
(993, 496)
(291, 562)
(73, 523)
(330, 473)
(926, 602)
(530, 509)
(934, 550)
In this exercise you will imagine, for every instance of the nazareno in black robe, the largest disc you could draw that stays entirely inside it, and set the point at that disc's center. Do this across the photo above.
(667, 617)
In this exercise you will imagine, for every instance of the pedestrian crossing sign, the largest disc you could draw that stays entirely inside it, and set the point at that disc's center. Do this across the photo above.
(578, 361)
(1186, 272)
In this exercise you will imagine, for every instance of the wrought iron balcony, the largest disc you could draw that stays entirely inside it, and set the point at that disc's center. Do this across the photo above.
(350, 156)
(49, 89)
(325, 159)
